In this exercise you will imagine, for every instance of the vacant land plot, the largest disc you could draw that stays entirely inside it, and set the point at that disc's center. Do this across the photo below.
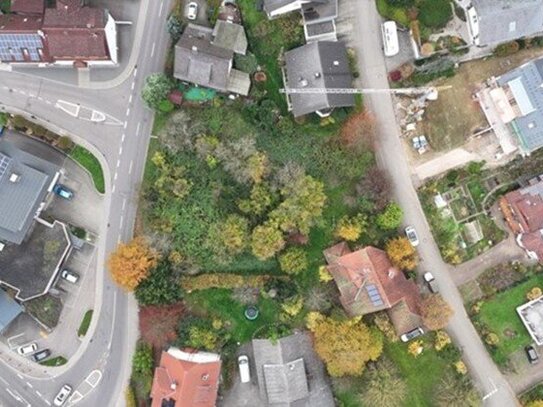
(455, 116)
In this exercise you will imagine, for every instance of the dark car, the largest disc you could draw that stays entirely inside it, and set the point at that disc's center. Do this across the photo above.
(412, 334)
(532, 355)
(41, 355)
(63, 191)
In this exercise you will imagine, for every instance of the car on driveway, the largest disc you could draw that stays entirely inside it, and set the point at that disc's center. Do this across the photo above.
(412, 334)
(27, 349)
(532, 355)
(69, 276)
(62, 395)
(192, 10)
(63, 191)
(411, 234)
(41, 355)
(431, 282)
(244, 372)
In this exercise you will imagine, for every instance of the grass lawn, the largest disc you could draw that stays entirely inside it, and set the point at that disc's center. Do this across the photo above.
(46, 309)
(219, 304)
(455, 115)
(499, 315)
(56, 361)
(85, 323)
(91, 164)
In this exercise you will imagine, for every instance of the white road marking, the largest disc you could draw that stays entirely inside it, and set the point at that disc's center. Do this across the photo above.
(39, 394)
(115, 176)
(94, 378)
(121, 222)
(3, 381)
(135, 71)
(160, 11)
(153, 49)
(20, 376)
(125, 124)
(122, 138)
(121, 150)
(29, 385)
(133, 85)
(119, 239)
(128, 112)
(138, 129)
(113, 189)
(47, 402)
(130, 167)
(113, 316)
(130, 98)
(48, 102)
(76, 397)
(492, 392)
(118, 163)
(124, 203)
(68, 107)
(12, 338)
(22, 92)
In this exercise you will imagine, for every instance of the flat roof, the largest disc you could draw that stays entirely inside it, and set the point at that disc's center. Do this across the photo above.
(531, 315)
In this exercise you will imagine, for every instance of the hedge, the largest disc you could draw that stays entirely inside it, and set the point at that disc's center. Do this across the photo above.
(220, 280)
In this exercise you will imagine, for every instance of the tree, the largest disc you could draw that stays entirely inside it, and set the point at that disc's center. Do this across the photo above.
(131, 263)
(376, 186)
(535, 403)
(142, 361)
(344, 346)
(391, 217)
(260, 200)
(456, 391)
(293, 261)
(402, 253)
(415, 348)
(350, 228)
(174, 27)
(384, 385)
(435, 311)
(233, 234)
(199, 333)
(156, 88)
(266, 241)
(442, 340)
(160, 287)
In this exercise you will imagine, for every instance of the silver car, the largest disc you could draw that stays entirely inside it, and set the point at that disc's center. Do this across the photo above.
(411, 234)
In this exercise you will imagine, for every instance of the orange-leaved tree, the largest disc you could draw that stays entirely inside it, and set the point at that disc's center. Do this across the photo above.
(436, 312)
(131, 263)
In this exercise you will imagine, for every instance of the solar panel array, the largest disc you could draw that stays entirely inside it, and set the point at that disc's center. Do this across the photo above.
(12, 46)
(375, 297)
(4, 164)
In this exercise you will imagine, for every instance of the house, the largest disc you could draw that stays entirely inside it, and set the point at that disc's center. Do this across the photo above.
(318, 16)
(491, 22)
(513, 106)
(319, 66)
(523, 212)
(9, 310)
(368, 282)
(186, 378)
(289, 373)
(205, 58)
(68, 34)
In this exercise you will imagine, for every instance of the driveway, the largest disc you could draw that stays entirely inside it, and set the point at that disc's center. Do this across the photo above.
(390, 156)
(242, 394)
(201, 17)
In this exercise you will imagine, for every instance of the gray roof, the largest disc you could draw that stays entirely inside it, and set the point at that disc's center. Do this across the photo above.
(289, 373)
(524, 83)
(22, 196)
(506, 20)
(230, 36)
(9, 309)
(320, 11)
(272, 5)
(321, 65)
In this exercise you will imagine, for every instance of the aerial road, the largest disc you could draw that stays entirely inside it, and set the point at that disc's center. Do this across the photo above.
(100, 369)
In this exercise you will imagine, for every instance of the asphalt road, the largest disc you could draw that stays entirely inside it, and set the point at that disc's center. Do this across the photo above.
(391, 156)
(122, 142)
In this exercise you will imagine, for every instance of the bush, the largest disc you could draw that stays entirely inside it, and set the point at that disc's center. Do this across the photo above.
(160, 287)
(435, 13)
(492, 339)
(391, 217)
(293, 261)
(142, 361)
(460, 368)
(222, 280)
(506, 49)
(534, 293)
(166, 106)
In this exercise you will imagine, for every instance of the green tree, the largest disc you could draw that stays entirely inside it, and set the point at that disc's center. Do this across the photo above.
(233, 234)
(293, 261)
(391, 217)
(384, 385)
(156, 88)
(199, 333)
(261, 199)
(350, 228)
(142, 361)
(174, 27)
(160, 287)
(266, 241)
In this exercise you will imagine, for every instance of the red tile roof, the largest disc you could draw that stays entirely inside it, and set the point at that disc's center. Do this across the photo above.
(28, 6)
(12, 23)
(356, 273)
(68, 44)
(526, 209)
(81, 17)
(190, 378)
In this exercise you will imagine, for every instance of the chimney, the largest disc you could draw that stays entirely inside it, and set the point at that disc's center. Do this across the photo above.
(195, 48)
(173, 386)
(336, 63)
(303, 82)
(391, 273)
(317, 75)
(205, 377)
(14, 178)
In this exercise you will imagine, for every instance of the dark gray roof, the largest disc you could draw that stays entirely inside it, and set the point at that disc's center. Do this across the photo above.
(9, 309)
(321, 65)
(23, 187)
(525, 84)
(289, 373)
(320, 11)
(230, 36)
(315, 29)
(506, 20)
(200, 62)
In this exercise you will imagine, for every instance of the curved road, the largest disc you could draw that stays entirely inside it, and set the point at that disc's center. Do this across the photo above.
(121, 142)
(494, 387)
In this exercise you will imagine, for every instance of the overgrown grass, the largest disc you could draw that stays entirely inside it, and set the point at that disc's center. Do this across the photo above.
(56, 361)
(91, 164)
(46, 309)
(85, 323)
(499, 316)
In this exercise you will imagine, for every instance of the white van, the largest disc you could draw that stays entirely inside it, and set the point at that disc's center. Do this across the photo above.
(27, 349)
(391, 45)
(244, 371)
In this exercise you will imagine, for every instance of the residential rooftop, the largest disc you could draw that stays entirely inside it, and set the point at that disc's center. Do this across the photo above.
(531, 315)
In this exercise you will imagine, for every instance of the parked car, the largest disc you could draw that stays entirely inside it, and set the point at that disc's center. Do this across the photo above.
(532, 355)
(41, 355)
(62, 395)
(27, 349)
(431, 282)
(63, 191)
(69, 276)
(411, 234)
(244, 372)
(192, 10)
(412, 334)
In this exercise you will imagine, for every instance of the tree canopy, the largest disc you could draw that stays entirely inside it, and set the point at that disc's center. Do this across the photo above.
(131, 263)
(156, 88)
(402, 253)
(435, 311)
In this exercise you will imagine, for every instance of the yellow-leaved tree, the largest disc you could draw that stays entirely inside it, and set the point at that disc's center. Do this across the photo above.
(131, 263)
(401, 253)
(345, 346)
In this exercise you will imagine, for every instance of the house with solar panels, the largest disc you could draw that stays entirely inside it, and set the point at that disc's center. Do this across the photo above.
(368, 282)
(513, 106)
(68, 34)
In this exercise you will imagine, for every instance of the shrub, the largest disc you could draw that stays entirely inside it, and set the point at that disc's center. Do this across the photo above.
(382, 321)
(391, 217)
(222, 280)
(156, 89)
(293, 306)
(350, 228)
(442, 339)
(166, 106)
(293, 261)
(534, 293)
(460, 367)
(324, 274)
(506, 49)
(435, 13)
(415, 348)
(142, 362)
(492, 339)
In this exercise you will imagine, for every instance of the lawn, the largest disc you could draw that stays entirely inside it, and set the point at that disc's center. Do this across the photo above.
(85, 323)
(91, 164)
(499, 316)
(56, 361)
(46, 309)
